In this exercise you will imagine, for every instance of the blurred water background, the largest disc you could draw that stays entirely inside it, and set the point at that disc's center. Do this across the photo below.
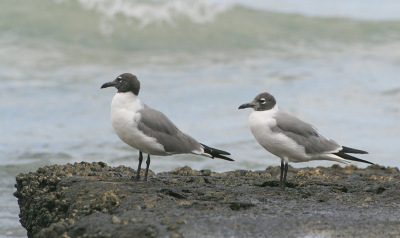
(335, 64)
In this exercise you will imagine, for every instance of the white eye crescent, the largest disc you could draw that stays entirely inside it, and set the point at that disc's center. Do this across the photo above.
(262, 100)
(119, 79)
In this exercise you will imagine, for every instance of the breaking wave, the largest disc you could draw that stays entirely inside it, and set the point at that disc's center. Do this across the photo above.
(179, 25)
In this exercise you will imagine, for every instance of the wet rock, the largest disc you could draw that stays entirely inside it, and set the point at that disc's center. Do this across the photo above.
(368, 199)
(172, 226)
(205, 172)
(185, 171)
(95, 200)
(235, 206)
(116, 220)
(351, 167)
(173, 193)
(181, 221)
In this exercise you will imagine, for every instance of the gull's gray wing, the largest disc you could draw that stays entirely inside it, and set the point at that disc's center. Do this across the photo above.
(304, 134)
(155, 124)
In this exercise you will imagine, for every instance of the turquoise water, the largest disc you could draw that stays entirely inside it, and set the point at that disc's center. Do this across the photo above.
(335, 66)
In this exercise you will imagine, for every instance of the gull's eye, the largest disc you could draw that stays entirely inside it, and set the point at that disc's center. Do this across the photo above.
(119, 79)
(262, 100)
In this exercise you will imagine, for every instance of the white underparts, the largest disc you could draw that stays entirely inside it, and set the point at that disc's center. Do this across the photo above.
(124, 118)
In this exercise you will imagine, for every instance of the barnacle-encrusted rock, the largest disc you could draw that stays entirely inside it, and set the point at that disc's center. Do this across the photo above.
(95, 200)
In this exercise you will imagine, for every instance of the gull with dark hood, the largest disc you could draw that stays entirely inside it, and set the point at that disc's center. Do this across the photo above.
(149, 130)
(290, 138)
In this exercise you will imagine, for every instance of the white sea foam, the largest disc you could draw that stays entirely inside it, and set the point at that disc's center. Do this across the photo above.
(199, 11)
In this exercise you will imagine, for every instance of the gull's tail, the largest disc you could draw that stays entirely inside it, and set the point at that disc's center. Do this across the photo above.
(216, 153)
(342, 154)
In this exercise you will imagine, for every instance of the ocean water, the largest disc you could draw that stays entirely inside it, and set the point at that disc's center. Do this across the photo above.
(335, 65)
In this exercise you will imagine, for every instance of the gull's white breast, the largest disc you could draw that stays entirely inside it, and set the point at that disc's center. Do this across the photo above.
(124, 118)
(278, 144)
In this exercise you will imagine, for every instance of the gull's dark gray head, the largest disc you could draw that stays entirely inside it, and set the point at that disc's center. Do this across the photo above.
(125, 83)
(263, 102)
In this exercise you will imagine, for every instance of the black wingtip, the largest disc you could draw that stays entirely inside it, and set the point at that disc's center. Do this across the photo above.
(216, 153)
(223, 157)
(341, 154)
(352, 151)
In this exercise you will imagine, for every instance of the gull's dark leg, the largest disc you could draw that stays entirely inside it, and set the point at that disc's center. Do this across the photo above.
(139, 166)
(281, 179)
(284, 176)
(147, 167)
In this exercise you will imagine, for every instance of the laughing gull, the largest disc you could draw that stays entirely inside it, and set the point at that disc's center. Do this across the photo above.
(290, 138)
(148, 130)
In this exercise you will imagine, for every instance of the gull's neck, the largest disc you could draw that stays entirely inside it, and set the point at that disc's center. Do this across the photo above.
(127, 101)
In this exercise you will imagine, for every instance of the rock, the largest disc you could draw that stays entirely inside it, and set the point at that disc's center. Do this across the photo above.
(115, 220)
(95, 200)
(164, 221)
(351, 167)
(205, 172)
(132, 220)
(172, 226)
(181, 221)
(175, 235)
(368, 199)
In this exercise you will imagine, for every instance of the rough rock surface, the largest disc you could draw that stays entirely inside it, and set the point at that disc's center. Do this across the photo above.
(95, 200)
